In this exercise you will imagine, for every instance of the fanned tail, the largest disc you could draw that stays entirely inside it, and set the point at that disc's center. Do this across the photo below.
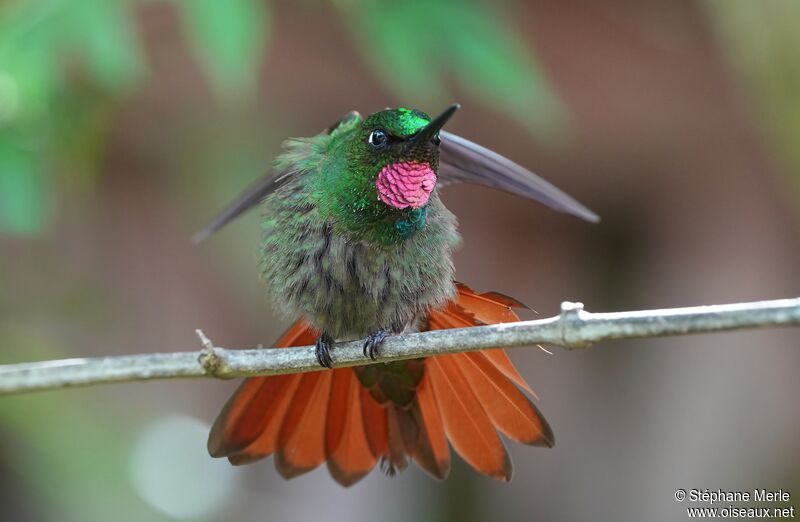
(354, 418)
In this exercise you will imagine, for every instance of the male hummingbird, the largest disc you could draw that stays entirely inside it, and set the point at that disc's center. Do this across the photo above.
(356, 244)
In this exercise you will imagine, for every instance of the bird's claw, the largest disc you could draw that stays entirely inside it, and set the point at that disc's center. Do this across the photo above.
(373, 342)
(322, 350)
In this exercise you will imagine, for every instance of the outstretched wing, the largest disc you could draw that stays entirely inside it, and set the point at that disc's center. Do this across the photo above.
(248, 199)
(461, 160)
(256, 193)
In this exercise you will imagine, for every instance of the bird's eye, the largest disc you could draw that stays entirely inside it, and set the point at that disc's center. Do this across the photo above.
(437, 140)
(378, 139)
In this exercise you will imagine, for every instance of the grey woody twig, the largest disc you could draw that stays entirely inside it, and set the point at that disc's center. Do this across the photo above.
(572, 328)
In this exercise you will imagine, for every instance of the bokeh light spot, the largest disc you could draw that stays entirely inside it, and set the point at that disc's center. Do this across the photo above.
(172, 472)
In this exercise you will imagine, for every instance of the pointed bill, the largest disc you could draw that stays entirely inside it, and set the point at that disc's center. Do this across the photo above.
(427, 133)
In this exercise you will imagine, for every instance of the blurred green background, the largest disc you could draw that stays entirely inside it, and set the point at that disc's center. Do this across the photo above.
(125, 125)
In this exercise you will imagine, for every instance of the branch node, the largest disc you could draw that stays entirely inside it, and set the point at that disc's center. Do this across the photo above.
(570, 319)
(205, 341)
(211, 358)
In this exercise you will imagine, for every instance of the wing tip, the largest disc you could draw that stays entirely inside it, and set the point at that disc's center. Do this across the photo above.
(587, 215)
(576, 208)
(199, 237)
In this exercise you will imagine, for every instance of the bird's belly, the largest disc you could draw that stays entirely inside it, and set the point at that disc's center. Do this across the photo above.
(356, 289)
(351, 289)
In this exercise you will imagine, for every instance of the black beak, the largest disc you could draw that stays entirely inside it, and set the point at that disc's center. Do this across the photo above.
(427, 133)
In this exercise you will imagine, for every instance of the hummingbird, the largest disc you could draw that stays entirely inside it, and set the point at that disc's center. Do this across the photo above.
(357, 244)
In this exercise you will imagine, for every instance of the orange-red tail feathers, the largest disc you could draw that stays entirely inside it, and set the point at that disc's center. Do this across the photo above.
(330, 416)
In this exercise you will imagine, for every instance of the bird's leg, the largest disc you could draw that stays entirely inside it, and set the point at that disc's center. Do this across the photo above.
(323, 350)
(373, 342)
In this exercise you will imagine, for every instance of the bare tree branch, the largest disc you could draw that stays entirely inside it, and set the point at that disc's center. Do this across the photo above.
(572, 328)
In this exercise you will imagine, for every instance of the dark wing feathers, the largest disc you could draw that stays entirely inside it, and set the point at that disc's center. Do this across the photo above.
(461, 160)
(256, 193)
(248, 199)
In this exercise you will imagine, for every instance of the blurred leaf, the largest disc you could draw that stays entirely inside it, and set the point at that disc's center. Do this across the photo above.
(493, 64)
(103, 32)
(22, 196)
(417, 45)
(27, 57)
(229, 39)
(9, 98)
(762, 43)
(397, 40)
(60, 64)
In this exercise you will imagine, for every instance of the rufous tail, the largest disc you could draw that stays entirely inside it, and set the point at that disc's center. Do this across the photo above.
(330, 416)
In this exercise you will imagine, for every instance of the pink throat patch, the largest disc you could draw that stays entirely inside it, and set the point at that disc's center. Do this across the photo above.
(405, 184)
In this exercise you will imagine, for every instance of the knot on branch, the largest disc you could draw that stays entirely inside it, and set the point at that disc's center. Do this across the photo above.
(210, 358)
(569, 321)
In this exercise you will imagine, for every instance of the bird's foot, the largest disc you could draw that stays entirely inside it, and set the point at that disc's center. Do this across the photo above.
(323, 350)
(391, 467)
(373, 342)
(387, 467)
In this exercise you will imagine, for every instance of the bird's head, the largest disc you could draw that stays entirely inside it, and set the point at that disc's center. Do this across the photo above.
(400, 150)
(382, 173)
